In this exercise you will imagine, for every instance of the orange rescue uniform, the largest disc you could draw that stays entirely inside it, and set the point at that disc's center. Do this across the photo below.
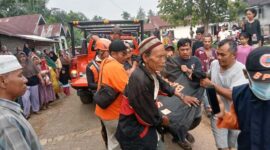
(115, 76)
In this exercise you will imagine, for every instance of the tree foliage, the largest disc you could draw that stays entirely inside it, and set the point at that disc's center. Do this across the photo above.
(97, 18)
(9, 8)
(184, 12)
(236, 8)
(151, 13)
(21, 7)
(125, 15)
(141, 14)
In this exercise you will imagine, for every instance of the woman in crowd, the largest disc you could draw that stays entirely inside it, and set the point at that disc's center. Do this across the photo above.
(64, 73)
(26, 49)
(51, 59)
(130, 63)
(253, 28)
(46, 93)
(31, 96)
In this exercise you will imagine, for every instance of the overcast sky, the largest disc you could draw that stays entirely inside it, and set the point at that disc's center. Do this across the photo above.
(109, 9)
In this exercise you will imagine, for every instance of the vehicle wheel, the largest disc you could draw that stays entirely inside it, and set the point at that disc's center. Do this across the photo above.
(86, 99)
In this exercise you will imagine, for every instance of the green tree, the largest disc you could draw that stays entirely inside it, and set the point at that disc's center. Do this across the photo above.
(151, 13)
(141, 14)
(9, 8)
(97, 18)
(193, 11)
(125, 15)
(236, 8)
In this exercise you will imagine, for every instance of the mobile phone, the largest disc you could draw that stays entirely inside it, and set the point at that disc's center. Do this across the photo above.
(212, 98)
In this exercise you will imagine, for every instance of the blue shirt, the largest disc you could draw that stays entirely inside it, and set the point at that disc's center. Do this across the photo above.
(15, 131)
(253, 118)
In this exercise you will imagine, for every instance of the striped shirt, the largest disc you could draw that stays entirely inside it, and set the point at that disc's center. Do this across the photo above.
(15, 131)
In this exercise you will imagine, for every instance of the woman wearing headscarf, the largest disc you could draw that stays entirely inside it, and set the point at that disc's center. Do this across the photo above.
(56, 65)
(26, 49)
(46, 92)
(31, 96)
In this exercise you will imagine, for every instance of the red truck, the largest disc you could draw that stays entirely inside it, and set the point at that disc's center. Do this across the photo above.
(132, 31)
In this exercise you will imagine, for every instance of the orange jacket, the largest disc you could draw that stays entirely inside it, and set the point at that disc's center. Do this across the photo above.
(114, 75)
(95, 72)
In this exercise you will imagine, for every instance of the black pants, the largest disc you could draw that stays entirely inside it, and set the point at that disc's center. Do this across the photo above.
(149, 142)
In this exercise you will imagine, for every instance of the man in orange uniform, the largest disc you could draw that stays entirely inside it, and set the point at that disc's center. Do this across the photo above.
(92, 69)
(114, 75)
(92, 72)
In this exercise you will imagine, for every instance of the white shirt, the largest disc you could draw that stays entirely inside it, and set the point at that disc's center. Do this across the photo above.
(156, 85)
(229, 78)
(223, 35)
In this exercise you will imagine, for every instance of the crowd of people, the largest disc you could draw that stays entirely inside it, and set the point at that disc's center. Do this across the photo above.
(184, 74)
(47, 75)
(140, 97)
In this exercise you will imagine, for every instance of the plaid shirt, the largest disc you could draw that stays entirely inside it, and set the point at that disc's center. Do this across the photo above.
(15, 131)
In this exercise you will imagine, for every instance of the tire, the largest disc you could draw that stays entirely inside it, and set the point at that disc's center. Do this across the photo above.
(86, 99)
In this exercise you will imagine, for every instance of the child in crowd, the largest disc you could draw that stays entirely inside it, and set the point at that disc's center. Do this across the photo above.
(244, 49)
(64, 77)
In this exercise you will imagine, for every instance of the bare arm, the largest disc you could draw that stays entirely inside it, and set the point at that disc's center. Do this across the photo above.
(226, 93)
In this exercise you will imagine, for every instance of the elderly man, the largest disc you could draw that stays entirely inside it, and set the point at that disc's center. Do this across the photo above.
(140, 118)
(15, 132)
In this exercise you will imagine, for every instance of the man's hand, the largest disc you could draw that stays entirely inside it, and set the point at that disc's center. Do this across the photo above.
(206, 83)
(191, 101)
(165, 121)
(222, 108)
(184, 68)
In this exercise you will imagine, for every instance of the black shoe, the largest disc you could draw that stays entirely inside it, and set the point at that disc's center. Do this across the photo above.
(57, 96)
(190, 138)
(185, 145)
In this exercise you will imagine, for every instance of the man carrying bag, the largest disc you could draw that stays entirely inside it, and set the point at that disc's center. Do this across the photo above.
(112, 77)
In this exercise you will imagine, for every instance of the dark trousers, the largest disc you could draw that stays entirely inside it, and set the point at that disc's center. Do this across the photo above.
(149, 142)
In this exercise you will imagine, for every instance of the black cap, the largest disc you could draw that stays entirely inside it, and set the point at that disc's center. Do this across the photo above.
(169, 46)
(258, 64)
(117, 46)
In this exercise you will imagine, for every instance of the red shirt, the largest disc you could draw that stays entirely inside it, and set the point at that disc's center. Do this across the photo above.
(206, 62)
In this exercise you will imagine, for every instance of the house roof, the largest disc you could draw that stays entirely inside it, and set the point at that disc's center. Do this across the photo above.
(31, 27)
(155, 22)
(26, 24)
(148, 27)
(52, 30)
(258, 2)
(35, 38)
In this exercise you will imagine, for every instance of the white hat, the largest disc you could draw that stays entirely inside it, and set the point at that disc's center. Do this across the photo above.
(8, 63)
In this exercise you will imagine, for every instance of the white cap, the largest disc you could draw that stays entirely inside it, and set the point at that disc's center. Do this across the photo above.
(8, 63)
